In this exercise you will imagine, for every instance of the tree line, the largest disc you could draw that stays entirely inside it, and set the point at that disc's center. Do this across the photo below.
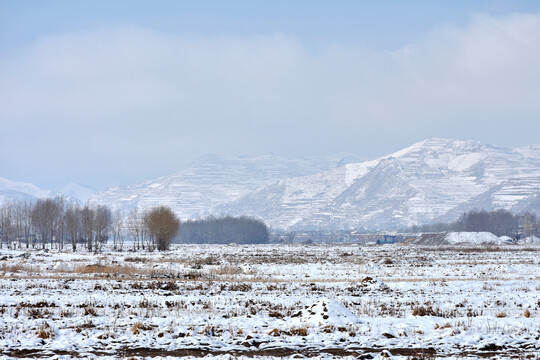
(226, 230)
(57, 223)
(499, 222)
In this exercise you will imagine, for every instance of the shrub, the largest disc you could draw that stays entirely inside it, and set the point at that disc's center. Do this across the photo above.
(138, 327)
(163, 225)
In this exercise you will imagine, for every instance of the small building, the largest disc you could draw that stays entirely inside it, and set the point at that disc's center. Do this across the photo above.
(388, 239)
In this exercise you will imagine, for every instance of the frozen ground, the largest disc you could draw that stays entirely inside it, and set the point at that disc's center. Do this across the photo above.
(273, 301)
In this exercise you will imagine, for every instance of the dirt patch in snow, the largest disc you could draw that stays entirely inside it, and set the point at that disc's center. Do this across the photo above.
(360, 353)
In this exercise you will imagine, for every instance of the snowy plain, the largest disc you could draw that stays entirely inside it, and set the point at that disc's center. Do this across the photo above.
(272, 301)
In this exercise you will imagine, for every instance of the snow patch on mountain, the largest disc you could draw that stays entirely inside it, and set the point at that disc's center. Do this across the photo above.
(465, 161)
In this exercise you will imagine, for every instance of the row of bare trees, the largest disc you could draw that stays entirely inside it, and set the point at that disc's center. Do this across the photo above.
(56, 223)
(499, 222)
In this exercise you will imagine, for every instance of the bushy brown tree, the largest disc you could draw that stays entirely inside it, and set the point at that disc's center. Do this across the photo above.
(162, 225)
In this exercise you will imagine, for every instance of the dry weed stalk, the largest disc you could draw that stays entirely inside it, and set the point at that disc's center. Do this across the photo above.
(45, 331)
(138, 327)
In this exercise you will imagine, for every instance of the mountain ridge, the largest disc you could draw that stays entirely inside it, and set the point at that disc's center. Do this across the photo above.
(429, 181)
(11, 190)
(434, 180)
(211, 181)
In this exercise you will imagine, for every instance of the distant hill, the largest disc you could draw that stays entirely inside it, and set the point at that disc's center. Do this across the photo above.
(16, 190)
(431, 181)
(435, 180)
(76, 191)
(214, 180)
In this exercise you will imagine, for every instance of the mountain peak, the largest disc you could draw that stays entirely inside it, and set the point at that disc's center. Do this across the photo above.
(76, 191)
(10, 189)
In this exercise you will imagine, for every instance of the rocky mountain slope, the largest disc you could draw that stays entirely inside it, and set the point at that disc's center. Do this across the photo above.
(433, 180)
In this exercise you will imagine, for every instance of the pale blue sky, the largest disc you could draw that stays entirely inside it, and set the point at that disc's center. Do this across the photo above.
(375, 24)
(97, 92)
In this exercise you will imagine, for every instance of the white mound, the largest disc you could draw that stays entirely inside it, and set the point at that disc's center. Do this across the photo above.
(472, 238)
(326, 312)
(530, 240)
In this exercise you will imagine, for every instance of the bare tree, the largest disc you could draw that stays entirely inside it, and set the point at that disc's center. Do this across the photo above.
(162, 225)
(87, 225)
(135, 228)
(45, 215)
(102, 224)
(528, 221)
(27, 222)
(6, 224)
(20, 214)
(117, 231)
(73, 224)
(60, 222)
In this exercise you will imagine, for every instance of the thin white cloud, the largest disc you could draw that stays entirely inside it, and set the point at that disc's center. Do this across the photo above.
(139, 93)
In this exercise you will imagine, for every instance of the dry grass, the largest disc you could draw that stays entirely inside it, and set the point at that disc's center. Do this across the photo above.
(138, 327)
(18, 268)
(37, 313)
(106, 269)
(291, 332)
(227, 270)
(90, 311)
(211, 330)
(298, 332)
(444, 326)
(44, 331)
(423, 311)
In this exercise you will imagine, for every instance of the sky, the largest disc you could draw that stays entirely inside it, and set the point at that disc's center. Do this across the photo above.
(108, 93)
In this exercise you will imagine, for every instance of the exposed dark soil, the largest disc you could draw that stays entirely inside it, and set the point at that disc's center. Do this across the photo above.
(361, 353)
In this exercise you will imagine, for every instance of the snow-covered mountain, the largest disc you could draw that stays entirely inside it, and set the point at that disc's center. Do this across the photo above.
(212, 181)
(16, 190)
(77, 192)
(433, 180)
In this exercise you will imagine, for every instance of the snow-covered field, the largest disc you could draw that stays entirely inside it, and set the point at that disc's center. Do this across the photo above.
(273, 301)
